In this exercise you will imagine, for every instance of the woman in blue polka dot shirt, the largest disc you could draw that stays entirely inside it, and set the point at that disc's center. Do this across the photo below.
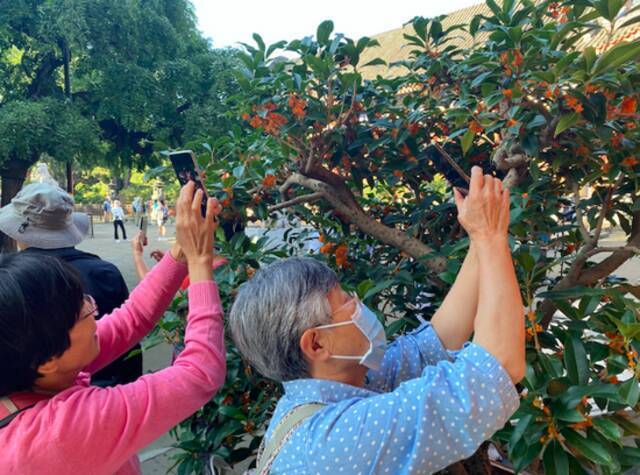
(423, 402)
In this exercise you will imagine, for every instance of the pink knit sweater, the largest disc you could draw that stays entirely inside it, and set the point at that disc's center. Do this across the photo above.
(91, 430)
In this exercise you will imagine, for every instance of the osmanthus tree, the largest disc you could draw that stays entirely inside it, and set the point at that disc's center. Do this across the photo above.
(358, 160)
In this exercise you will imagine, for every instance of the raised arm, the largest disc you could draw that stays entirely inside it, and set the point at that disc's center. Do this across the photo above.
(499, 323)
(453, 321)
(117, 422)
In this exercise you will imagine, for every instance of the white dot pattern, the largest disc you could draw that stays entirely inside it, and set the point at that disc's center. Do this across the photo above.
(425, 409)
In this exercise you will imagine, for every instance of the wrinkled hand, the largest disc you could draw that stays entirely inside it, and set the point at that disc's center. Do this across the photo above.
(484, 213)
(138, 243)
(193, 232)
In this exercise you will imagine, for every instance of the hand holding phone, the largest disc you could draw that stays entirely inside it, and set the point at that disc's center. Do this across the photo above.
(144, 226)
(187, 169)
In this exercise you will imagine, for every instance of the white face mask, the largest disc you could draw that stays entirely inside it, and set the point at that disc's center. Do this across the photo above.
(372, 329)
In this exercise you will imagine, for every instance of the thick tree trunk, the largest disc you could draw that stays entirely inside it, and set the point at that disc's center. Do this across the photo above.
(13, 173)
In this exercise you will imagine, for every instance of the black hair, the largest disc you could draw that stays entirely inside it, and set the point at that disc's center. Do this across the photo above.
(40, 301)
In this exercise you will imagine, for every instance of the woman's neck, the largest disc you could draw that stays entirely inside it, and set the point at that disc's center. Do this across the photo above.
(54, 383)
(354, 376)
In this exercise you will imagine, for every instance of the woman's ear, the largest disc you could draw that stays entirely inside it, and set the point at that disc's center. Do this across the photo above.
(313, 346)
(48, 367)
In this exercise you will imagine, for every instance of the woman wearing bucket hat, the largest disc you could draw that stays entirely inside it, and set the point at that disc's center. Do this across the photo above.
(51, 419)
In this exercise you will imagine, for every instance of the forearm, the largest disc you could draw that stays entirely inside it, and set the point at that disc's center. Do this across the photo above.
(499, 324)
(454, 320)
(141, 267)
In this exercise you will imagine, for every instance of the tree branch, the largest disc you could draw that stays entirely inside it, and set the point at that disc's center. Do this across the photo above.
(388, 235)
(629, 289)
(310, 198)
(539, 107)
(578, 275)
(579, 218)
(599, 250)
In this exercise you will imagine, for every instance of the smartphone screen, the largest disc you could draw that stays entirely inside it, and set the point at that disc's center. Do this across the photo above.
(443, 166)
(187, 169)
(144, 225)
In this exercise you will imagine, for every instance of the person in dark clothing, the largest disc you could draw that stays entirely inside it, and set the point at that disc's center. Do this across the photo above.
(41, 220)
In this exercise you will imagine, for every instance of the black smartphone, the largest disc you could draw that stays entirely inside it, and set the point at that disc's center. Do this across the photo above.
(144, 226)
(187, 169)
(442, 165)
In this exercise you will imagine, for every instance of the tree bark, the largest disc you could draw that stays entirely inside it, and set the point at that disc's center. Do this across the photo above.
(13, 174)
(388, 235)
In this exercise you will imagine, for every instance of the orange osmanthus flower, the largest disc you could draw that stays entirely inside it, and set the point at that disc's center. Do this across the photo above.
(326, 248)
(297, 106)
(269, 180)
(573, 103)
(628, 106)
(508, 93)
(475, 127)
(341, 255)
(630, 161)
(616, 140)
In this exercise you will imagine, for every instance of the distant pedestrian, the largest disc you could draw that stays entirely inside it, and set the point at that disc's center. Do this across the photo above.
(106, 210)
(138, 209)
(118, 221)
(162, 216)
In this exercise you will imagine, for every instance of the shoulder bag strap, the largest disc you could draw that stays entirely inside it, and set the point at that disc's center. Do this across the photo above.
(282, 433)
(13, 411)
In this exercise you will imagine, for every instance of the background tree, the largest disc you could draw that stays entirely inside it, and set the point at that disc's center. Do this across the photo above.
(125, 73)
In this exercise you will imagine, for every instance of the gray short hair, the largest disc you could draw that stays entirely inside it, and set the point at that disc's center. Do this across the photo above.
(274, 308)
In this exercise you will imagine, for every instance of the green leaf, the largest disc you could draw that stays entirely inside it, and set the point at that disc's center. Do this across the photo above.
(435, 31)
(630, 428)
(589, 57)
(588, 448)
(324, 31)
(566, 61)
(375, 62)
(378, 288)
(575, 360)
(474, 26)
(607, 428)
(555, 460)
(394, 327)
(521, 426)
(566, 121)
(630, 456)
(258, 39)
(569, 415)
(467, 140)
(275, 46)
(573, 292)
(497, 11)
(233, 412)
(616, 57)
(630, 391)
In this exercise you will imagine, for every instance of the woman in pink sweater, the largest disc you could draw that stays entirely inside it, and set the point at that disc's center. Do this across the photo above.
(51, 420)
